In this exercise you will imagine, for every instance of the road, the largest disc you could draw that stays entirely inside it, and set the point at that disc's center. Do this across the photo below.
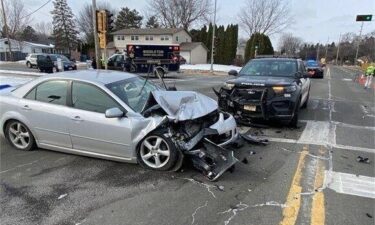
(308, 175)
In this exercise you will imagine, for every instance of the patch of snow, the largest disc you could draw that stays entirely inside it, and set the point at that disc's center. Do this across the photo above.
(6, 72)
(207, 67)
(22, 62)
(14, 80)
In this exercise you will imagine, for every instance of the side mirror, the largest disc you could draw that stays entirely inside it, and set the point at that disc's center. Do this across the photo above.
(233, 73)
(114, 113)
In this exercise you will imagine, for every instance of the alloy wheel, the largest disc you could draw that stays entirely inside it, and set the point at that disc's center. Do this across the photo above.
(155, 152)
(19, 135)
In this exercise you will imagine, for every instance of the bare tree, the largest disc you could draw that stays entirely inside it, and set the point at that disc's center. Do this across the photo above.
(265, 16)
(289, 44)
(16, 16)
(180, 13)
(84, 20)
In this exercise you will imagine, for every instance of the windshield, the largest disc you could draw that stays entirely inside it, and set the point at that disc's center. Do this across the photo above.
(275, 67)
(312, 63)
(134, 91)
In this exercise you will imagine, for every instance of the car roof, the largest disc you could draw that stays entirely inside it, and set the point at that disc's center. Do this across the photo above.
(278, 59)
(95, 76)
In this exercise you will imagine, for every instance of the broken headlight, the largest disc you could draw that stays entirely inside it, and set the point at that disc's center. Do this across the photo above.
(287, 89)
(228, 86)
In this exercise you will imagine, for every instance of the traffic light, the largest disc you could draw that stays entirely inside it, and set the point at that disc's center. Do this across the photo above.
(100, 21)
(109, 20)
(216, 41)
(364, 18)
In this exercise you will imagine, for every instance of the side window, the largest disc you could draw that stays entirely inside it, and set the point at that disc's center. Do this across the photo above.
(51, 92)
(90, 98)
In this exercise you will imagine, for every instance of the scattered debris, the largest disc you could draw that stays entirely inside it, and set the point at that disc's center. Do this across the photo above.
(62, 196)
(245, 161)
(252, 153)
(254, 140)
(220, 187)
(363, 160)
(368, 215)
(249, 190)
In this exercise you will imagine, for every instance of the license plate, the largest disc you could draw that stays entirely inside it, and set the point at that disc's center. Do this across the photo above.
(70, 68)
(250, 108)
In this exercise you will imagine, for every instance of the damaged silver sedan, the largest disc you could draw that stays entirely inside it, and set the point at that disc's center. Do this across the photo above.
(119, 116)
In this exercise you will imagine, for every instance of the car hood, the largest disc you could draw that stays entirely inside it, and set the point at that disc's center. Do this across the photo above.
(261, 81)
(184, 105)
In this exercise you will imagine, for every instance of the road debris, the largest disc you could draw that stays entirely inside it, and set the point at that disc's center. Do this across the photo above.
(368, 215)
(62, 196)
(363, 160)
(220, 187)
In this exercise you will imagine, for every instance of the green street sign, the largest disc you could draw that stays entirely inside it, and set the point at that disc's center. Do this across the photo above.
(364, 18)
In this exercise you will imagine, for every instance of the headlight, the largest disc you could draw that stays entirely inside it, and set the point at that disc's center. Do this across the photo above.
(278, 90)
(290, 89)
(287, 89)
(228, 86)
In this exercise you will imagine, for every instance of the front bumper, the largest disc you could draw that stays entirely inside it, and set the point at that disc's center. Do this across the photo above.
(279, 107)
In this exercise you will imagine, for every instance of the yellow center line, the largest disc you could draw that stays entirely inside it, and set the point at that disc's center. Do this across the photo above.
(293, 201)
(318, 208)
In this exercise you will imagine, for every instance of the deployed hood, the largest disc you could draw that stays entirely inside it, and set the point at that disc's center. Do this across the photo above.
(262, 81)
(184, 105)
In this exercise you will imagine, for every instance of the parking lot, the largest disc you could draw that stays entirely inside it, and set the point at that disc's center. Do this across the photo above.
(304, 174)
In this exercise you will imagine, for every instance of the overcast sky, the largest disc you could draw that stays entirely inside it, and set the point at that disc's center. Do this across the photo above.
(314, 20)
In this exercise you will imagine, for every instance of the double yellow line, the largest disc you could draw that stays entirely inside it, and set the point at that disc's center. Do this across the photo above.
(293, 201)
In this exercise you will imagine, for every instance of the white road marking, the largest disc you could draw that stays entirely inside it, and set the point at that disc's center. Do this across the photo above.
(351, 184)
(316, 132)
(346, 79)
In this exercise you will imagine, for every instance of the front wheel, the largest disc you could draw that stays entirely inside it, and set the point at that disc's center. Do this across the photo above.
(19, 136)
(28, 64)
(294, 121)
(157, 152)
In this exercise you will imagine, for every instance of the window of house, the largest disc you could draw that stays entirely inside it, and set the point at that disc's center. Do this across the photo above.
(134, 38)
(164, 38)
(118, 37)
(149, 38)
(122, 37)
(176, 38)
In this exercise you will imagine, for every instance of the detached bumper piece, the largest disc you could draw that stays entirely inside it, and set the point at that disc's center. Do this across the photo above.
(211, 159)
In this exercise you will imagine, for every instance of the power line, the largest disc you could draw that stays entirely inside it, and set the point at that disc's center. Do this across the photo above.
(37, 9)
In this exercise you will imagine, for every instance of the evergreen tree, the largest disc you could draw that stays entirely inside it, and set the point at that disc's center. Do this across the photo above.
(28, 34)
(64, 30)
(127, 18)
(260, 41)
(152, 22)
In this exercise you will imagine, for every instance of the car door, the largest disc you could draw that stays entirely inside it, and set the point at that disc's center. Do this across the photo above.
(111, 62)
(45, 108)
(90, 130)
(304, 82)
(119, 61)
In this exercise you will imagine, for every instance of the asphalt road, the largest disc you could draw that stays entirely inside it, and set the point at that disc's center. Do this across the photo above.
(308, 175)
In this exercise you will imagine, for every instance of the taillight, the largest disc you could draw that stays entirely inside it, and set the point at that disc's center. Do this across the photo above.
(176, 48)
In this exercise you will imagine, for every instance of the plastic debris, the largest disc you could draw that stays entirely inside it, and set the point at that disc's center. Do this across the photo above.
(252, 153)
(220, 187)
(363, 160)
(62, 196)
(368, 215)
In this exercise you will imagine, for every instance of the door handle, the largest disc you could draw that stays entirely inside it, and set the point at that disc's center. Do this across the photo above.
(26, 107)
(77, 118)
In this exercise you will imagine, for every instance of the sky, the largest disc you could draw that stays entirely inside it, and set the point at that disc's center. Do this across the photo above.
(313, 20)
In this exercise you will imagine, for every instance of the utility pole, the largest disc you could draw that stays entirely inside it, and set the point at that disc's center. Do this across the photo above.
(338, 50)
(325, 56)
(317, 52)
(358, 42)
(213, 40)
(96, 40)
(7, 33)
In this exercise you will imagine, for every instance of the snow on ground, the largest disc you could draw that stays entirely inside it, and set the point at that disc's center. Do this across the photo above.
(207, 67)
(21, 73)
(14, 80)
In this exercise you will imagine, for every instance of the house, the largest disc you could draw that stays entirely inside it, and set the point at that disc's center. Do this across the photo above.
(161, 36)
(194, 52)
(20, 49)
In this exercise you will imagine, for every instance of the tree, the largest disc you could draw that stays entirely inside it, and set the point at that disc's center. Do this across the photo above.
(44, 32)
(181, 13)
(64, 32)
(265, 17)
(289, 44)
(152, 22)
(16, 16)
(28, 34)
(259, 42)
(127, 18)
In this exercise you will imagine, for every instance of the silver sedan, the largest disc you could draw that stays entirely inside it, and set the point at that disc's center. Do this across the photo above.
(118, 116)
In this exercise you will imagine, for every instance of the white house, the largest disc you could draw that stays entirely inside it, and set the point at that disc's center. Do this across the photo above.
(194, 52)
(162, 36)
(21, 48)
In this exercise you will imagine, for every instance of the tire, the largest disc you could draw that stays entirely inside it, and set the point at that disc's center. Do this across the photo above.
(19, 136)
(162, 157)
(28, 64)
(304, 106)
(294, 121)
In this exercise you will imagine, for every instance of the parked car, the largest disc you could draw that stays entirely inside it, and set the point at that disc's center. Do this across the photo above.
(266, 88)
(66, 63)
(31, 59)
(314, 69)
(118, 116)
(45, 64)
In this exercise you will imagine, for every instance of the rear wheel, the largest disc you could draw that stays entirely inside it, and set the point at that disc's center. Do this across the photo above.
(157, 152)
(19, 136)
(28, 64)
